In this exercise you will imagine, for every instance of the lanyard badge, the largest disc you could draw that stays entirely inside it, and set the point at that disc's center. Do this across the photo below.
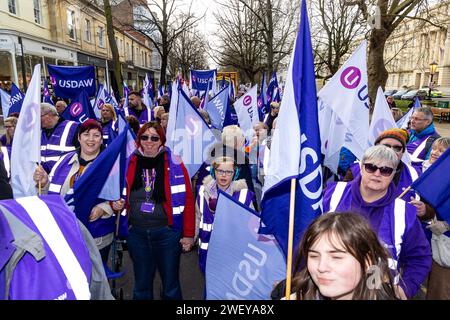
(149, 183)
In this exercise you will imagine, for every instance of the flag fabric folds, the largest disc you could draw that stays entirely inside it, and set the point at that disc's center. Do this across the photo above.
(217, 108)
(16, 99)
(47, 96)
(346, 95)
(26, 147)
(295, 151)
(102, 177)
(67, 81)
(235, 245)
(80, 109)
(382, 118)
(192, 136)
(5, 97)
(434, 188)
(247, 112)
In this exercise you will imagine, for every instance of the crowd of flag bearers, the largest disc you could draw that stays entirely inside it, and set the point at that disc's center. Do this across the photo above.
(284, 195)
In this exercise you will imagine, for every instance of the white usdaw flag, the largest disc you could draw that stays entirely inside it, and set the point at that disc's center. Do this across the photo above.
(247, 112)
(26, 146)
(346, 94)
(382, 118)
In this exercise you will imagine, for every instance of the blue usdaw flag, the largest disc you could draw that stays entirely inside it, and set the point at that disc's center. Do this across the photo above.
(16, 99)
(5, 98)
(295, 151)
(241, 264)
(99, 182)
(67, 81)
(47, 97)
(434, 188)
(217, 108)
(192, 136)
(273, 84)
(80, 109)
(26, 146)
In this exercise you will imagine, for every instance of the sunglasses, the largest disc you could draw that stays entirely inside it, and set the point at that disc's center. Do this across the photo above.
(395, 148)
(274, 107)
(152, 138)
(384, 171)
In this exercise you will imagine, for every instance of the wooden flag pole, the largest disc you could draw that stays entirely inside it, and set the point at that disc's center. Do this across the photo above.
(404, 192)
(290, 240)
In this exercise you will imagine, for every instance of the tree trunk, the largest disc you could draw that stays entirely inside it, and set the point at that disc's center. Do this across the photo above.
(163, 68)
(377, 73)
(270, 55)
(113, 46)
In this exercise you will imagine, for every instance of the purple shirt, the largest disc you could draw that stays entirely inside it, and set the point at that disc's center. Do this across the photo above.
(415, 256)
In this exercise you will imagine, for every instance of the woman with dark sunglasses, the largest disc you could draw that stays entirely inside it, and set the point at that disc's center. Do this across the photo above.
(372, 194)
(161, 213)
(405, 174)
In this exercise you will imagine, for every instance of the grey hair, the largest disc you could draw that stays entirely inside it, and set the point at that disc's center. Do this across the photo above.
(380, 153)
(232, 135)
(426, 112)
(48, 108)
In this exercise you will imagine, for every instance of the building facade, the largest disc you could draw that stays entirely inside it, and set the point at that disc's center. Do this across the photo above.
(414, 45)
(65, 32)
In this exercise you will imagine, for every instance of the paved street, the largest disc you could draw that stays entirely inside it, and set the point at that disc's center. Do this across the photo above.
(192, 281)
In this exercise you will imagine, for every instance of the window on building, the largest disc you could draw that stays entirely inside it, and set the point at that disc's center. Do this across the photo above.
(145, 60)
(142, 58)
(101, 37)
(128, 52)
(71, 24)
(87, 33)
(12, 7)
(37, 11)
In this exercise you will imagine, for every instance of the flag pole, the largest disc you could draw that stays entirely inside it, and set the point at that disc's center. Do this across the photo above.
(404, 192)
(290, 240)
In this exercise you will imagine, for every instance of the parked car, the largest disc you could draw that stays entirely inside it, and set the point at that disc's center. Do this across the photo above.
(399, 93)
(389, 92)
(410, 95)
(435, 93)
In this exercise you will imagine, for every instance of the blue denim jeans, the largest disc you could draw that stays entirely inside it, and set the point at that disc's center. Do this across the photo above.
(155, 248)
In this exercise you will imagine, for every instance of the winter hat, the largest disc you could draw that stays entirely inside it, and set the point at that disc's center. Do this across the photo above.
(400, 135)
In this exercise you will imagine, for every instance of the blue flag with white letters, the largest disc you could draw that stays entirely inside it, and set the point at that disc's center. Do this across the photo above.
(203, 80)
(67, 81)
(434, 188)
(217, 108)
(192, 135)
(80, 109)
(47, 97)
(16, 99)
(273, 84)
(295, 151)
(241, 264)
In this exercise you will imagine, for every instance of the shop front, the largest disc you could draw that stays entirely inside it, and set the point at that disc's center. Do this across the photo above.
(20, 53)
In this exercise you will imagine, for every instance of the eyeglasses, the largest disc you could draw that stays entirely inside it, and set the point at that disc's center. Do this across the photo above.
(152, 138)
(227, 173)
(417, 119)
(8, 127)
(395, 148)
(274, 107)
(384, 171)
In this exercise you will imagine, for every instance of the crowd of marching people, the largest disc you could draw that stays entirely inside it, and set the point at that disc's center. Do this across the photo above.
(376, 227)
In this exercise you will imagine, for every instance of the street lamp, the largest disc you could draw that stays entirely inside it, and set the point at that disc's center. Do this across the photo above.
(433, 68)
